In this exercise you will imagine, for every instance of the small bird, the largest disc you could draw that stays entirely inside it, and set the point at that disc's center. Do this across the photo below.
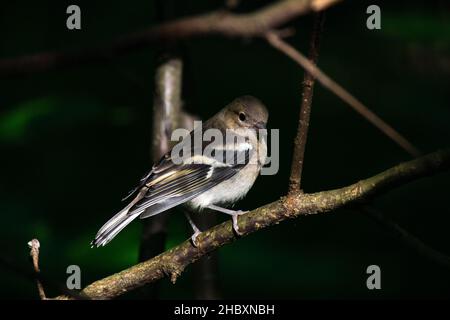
(201, 180)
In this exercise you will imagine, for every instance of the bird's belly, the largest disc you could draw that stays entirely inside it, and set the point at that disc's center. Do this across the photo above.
(229, 191)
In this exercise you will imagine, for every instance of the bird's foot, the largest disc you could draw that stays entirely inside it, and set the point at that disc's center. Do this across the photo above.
(196, 230)
(235, 216)
(233, 213)
(194, 238)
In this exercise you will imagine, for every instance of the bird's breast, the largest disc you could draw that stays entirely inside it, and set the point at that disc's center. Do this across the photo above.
(235, 188)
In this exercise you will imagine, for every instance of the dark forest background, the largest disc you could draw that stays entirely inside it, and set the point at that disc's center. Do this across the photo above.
(73, 141)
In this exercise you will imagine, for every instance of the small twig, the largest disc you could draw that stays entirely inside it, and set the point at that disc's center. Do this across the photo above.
(305, 108)
(16, 267)
(34, 246)
(409, 239)
(342, 93)
(34, 253)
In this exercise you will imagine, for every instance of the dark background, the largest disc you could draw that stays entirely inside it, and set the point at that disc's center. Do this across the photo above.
(73, 141)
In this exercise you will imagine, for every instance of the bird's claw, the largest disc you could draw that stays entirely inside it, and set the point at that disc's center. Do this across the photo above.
(194, 238)
(235, 216)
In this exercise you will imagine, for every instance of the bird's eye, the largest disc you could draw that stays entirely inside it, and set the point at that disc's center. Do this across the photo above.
(242, 116)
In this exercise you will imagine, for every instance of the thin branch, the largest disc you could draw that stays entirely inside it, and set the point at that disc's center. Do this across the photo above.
(34, 253)
(409, 239)
(214, 23)
(15, 267)
(274, 39)
(35, 275)
(305, 108)
(172, 262)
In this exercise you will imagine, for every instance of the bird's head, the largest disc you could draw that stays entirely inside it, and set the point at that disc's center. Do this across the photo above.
(246, 112)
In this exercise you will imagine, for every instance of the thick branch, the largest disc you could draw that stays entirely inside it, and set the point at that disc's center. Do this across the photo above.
(172, 262)
(214, 23)
(305, 108)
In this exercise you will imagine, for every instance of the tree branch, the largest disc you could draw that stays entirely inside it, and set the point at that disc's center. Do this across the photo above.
(34, 246)
(34, 254)
(274, 39)
(172, 262)
(305, 108)
(214, 23)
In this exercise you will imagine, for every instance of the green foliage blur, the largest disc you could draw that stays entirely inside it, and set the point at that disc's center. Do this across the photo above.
(73, 141)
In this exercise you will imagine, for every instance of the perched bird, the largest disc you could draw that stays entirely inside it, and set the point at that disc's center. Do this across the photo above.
(199, 179)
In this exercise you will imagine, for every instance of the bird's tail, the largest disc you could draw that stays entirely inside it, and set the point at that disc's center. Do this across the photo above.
(114, 225)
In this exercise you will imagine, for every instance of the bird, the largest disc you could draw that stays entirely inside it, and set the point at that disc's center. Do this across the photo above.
(198, 180)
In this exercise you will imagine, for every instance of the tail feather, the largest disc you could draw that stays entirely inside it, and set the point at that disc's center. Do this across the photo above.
(111, 228)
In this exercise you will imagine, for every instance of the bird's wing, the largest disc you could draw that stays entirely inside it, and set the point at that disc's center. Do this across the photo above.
(170, 185)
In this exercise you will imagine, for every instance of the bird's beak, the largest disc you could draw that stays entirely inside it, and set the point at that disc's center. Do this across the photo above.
(260, 125)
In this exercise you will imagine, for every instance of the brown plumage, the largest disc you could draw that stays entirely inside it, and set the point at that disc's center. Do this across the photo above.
(201, 181)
